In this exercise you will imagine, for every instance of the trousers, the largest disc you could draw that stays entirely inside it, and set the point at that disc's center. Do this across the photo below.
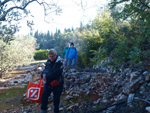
(57, 90)
(71, 62)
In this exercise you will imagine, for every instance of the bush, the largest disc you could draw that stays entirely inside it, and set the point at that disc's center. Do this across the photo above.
(99, 55)
(17, 52)
(82, 60)
(41, 54)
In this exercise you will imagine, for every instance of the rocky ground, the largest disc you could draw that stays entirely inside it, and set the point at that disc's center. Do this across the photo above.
(88, 91)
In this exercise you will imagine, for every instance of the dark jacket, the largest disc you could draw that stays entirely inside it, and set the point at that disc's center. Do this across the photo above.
(54, 70)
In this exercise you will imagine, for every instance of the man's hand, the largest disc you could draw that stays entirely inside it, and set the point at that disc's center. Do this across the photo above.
(44, 77)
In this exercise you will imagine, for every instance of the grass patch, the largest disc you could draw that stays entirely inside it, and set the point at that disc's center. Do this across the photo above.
(11, 98)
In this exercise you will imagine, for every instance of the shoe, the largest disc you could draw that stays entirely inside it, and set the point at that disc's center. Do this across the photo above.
(44, 111)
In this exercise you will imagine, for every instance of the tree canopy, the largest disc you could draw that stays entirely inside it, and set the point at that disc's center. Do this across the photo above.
(15, 9)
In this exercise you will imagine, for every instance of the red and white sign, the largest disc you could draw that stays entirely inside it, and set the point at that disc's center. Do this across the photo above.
(34, 93)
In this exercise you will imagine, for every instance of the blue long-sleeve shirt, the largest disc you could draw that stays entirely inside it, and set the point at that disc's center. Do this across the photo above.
(71, 53)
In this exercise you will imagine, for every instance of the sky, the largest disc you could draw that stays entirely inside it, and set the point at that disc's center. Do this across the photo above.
(71, 16)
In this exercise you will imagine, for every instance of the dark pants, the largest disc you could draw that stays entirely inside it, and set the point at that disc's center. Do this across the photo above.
(57, 90)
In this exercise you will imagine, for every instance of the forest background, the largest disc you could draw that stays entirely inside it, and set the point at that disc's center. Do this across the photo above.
(119, 35)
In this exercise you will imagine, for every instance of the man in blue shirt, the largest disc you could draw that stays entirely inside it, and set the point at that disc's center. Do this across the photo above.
(71, 55)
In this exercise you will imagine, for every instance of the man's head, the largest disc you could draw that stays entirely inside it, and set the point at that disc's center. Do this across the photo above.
(68, 44)
(52, 54)
(72, 44)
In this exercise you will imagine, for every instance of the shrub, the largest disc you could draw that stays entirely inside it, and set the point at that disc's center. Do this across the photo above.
(135, 55)
(99, 56)
(17, 52)
(41, 54)
(82, 60)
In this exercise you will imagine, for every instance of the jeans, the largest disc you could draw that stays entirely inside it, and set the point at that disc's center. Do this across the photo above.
(57, 90)
(71, 62)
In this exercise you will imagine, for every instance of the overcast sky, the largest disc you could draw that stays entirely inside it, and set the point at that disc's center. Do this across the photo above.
(71, 15)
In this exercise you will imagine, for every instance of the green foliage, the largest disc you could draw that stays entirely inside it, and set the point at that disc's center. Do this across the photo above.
(134, 8)
(135, 55)
(121, 51)
(41, 54)
(99, 56)
(99, 39)
(90, 40)
(137, 13)
(107, 29)
(82, 60)
(6, 32)
(17, 52)
(105, 24)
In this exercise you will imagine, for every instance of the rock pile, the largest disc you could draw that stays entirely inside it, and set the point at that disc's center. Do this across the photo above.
(87, 91)
(32, 75)
(107, 87)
